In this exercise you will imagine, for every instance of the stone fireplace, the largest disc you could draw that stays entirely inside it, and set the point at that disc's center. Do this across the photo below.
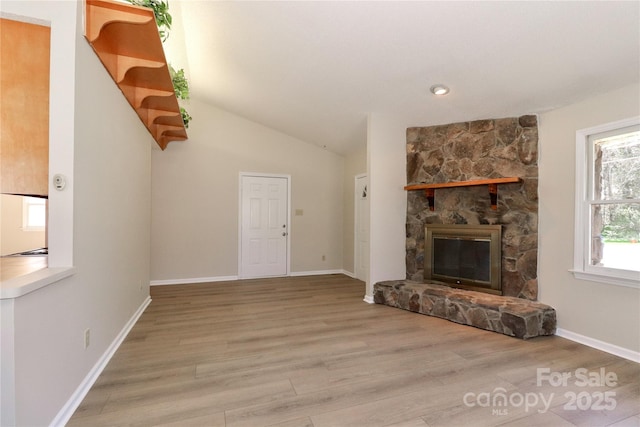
(500, 150)
(465, 151)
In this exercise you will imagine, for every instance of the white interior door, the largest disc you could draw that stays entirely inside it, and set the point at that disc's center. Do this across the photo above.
(264, 222)
(361, 258)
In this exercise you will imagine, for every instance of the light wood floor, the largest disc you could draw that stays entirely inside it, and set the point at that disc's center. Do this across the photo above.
(307, 351)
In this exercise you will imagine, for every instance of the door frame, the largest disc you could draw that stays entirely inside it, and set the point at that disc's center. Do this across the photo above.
(355, 224)
(288, 240)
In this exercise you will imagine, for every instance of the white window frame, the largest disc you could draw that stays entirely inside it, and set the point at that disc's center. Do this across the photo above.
(581, 265)
(27, 203)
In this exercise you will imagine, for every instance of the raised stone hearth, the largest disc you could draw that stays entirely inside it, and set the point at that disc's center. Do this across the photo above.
(471, 151)
(516, 317)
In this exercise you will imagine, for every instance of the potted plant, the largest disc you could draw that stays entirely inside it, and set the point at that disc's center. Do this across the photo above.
(181, 88)
(163, 21)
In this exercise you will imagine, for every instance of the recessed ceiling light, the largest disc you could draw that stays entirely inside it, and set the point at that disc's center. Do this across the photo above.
(439, 90)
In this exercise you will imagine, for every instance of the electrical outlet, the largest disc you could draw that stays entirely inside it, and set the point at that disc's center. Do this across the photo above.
(140, 286)
(87, 338)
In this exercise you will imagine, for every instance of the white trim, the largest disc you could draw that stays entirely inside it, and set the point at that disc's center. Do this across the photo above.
(581, 268)
(26, 19)
(348, 273)
(316, 273)
(236, 278)
(625, 353)
(368, 299)
(266, 175)
(64, 415)
(192, 280)
(613, 278)
(356, 199)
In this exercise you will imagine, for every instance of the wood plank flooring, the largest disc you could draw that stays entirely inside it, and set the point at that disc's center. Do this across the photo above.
(307, 351)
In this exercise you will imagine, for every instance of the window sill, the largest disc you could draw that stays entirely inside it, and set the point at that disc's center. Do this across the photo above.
(611, 279)
(22, 285)
(33, 228)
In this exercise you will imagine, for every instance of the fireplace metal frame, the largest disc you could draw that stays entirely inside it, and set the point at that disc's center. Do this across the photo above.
(468, 232)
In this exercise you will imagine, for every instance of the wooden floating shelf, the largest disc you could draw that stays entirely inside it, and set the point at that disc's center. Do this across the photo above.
(491, 183)
(125, 38)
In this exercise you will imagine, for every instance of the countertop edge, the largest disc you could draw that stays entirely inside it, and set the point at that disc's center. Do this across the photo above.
(22, 285)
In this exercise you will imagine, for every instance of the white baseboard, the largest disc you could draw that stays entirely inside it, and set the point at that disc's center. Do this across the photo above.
(625, 353)
(193, 280)
(64, 415)
(368, 299)
(316, 273)
(233, 278)
(348, 273)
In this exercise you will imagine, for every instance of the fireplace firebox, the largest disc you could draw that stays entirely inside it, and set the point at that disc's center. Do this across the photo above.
(464, 256)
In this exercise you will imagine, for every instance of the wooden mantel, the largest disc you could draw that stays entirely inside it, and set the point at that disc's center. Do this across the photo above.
(491, 183)
(125, 38)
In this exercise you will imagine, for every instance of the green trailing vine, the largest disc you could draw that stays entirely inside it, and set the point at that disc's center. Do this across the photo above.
(163, 21)
(161, 11)
(181, 88)
(180, 84)
(186, 118)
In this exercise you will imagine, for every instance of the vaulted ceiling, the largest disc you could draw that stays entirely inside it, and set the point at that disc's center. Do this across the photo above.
(315, 69)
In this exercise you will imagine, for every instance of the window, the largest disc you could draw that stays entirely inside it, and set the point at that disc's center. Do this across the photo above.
(34, 213)
(607, 235)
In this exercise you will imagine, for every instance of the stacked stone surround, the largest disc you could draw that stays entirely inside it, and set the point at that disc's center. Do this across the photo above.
(469, 151)
(478, 150)
(516, 317)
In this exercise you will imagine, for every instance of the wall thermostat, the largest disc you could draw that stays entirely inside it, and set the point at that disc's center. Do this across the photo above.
(59, 182)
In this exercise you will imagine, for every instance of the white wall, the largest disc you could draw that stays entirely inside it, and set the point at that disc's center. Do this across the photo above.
(174, 46)
(195, 197)
(101, 225)
(386, 163)
(598, 311)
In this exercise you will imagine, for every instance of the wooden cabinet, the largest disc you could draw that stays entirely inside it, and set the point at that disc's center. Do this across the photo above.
(24, 108)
